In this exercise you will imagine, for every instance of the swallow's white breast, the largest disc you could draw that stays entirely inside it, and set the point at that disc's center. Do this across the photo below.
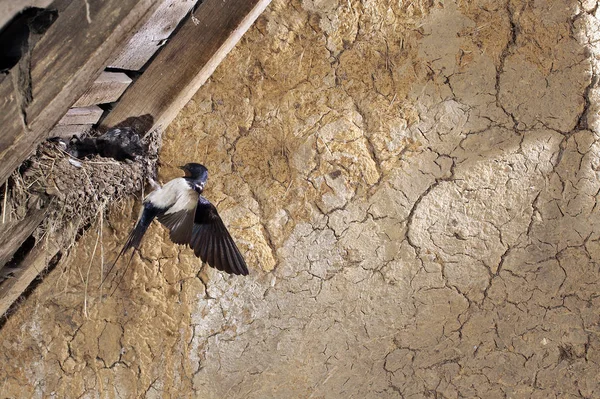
(175, 196)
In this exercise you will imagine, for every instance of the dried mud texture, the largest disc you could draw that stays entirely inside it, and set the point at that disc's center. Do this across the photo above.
(415, 187)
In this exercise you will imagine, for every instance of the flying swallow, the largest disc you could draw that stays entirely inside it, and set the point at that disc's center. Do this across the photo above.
(191, 219)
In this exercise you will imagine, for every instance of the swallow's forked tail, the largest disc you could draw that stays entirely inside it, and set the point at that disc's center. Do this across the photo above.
(134, 239)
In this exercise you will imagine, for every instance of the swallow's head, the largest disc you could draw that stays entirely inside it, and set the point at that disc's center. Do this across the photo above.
(195, 171)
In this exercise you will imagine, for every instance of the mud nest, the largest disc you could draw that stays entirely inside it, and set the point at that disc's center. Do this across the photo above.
(73, 190)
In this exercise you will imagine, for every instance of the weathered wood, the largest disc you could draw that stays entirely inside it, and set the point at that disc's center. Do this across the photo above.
(68, 131)
(78, 62)
(82, 116)
(32, 265)
(63, 65)
(11, 120)
(10, 8)
(153, 34)
(13, 234)
(186, 61)
(106, 89)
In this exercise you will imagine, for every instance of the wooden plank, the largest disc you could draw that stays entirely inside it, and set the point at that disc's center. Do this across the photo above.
(120, 17)
(10, 8)
(68, 131)
(33, 264)
(82, 116)
(106, 89)
(13, 234)
(11, 120)
(186, 61)
(153, 34)
(63, 66)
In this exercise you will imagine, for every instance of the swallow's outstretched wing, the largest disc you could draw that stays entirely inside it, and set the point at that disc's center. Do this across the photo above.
(212, 242)
(180, 219)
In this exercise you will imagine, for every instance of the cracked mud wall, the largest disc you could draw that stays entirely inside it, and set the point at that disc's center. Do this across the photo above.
(415, 187)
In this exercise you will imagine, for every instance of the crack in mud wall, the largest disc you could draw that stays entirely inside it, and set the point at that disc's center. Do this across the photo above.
(415, 187)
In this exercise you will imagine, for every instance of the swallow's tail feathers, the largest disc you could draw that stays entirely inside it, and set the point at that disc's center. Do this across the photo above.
(137, 233)
(134, 239)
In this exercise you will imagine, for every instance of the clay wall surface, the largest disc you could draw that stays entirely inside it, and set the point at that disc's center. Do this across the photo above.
(414, 185)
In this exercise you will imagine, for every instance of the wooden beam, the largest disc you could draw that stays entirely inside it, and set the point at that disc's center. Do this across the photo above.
(13, 234)
(33, 264)
(62, 67)
(153, 34)
(82, 116)
(186, 61)
(68, 131)
(10, 8)
(106, 89)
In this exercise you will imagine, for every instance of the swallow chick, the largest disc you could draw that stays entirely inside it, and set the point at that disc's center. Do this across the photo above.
(191, 219)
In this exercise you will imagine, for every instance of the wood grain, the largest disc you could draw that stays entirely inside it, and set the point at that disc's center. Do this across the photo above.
(106, 89)
(63, 65)
(33, 264)
(186, 61)
(152, 35)
(68, 131)
(12, 234)
(81, 116)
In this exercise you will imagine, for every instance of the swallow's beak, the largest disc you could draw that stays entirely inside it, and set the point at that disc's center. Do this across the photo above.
(181, 167)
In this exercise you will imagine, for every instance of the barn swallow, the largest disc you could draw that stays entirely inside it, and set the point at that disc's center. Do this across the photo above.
(191, 219)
